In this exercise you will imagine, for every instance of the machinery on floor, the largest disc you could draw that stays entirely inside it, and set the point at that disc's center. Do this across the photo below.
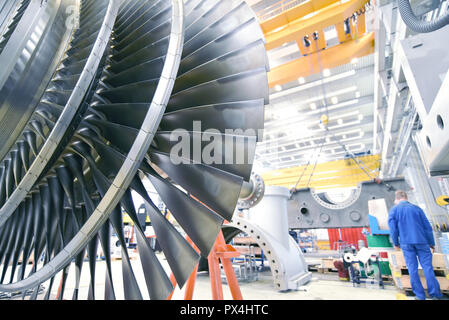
(364, 267)
(95, 95)
(267, 213)
(311, 209)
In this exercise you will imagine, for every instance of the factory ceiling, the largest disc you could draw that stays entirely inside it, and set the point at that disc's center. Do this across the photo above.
(321, 89)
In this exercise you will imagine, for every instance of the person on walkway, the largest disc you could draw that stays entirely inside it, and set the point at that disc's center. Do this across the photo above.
(411, 231)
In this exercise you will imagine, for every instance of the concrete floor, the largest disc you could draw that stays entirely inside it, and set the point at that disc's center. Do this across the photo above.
(321, 287)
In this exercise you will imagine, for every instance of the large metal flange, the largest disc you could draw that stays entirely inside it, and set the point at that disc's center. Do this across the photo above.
(252, 192)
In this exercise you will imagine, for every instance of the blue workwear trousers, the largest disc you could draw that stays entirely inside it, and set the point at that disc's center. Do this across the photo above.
(413, 252)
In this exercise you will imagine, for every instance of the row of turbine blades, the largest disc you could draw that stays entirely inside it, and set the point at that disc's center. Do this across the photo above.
(164, 63)
(10, 25)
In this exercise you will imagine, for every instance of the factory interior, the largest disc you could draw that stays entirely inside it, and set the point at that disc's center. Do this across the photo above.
(224, 150)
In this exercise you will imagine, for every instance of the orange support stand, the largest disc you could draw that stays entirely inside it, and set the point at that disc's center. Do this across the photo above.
(225, 252)
(58, 295)
(215, 276)
(173, 283)
(220, 252)
(190, 286)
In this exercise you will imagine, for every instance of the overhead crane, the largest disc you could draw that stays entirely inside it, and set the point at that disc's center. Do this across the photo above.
(298, 24)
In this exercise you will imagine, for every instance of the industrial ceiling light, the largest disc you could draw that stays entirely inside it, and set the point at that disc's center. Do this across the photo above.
(331, 94)
(354, 61)
(306, 145)
(343, 104)
(340, 121)
(288, 112)
(351, 131)
(355, 146)
(279, 29)
(283, 125)
(313, 84)
(357, 94)
(326, 72)
(300, 117)
(301, 80)
(334, 100)
(278, 88)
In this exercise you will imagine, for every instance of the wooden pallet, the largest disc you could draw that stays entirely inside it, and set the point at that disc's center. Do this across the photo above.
(313, 267)
(439, 272)
(409, 292)
(397, 261)
(120, 258)
(328, 263)
(246, 250)
(404, 282)
(244, 241)
(326, 270)
(387, 279)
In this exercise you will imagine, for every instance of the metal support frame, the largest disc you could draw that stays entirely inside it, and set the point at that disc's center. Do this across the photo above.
(433, 139)
(308, 210)
(424, 63)
(266, 223)
(357, 279)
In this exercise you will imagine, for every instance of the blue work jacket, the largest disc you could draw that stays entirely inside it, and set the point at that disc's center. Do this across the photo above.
(409, 225)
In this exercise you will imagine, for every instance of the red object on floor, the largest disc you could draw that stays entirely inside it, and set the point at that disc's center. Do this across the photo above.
(343, 273)
(348, 235)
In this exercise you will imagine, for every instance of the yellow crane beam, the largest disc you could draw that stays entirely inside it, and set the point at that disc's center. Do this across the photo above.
(327, 175)
(315, 16)
(333, 15)
(330, 58)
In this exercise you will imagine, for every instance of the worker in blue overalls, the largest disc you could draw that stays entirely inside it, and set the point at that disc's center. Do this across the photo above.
(411, 231)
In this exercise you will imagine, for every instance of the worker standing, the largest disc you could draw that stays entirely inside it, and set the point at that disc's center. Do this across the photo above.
(411, 231)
